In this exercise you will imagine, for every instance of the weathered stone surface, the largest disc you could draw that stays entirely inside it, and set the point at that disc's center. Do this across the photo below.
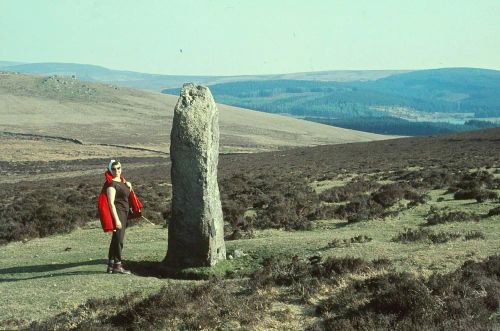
(196, 229)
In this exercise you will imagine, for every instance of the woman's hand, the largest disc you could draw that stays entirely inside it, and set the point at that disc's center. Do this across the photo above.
(118, 225)
(129, 185)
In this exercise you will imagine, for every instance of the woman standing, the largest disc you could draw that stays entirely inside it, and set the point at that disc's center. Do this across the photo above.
(117, 192)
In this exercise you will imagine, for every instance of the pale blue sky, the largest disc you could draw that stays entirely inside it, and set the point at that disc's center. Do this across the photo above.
(231, 37)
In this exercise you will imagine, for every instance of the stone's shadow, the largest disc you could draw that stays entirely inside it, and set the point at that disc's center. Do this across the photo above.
(161, 270)
(49, 267)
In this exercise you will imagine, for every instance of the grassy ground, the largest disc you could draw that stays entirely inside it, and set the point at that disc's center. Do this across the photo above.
(42, 277)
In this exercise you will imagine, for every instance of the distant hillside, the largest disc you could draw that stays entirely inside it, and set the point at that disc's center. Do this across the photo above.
(8, 63)
(412, 103)
(154, 82)
(95, 113)
(461, 90)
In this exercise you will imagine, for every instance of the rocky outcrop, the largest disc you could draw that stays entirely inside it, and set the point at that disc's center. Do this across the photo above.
(196, 229)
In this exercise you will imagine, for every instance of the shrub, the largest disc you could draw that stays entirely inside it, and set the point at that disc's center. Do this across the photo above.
(350, 190)
(389, 194)
(213, 305)
(360, 239)
(436, 216)
(38, 217)
(464, 299)
(476, 179)
(486, 195)
(366, 207)
(477, 194)
(427, 178)
(466, 194)
(360, 208)
(278, 202)
(340, 266)
(409, 235)
(494, 211)
(276, 272)
(335, 243)
(474, 182)
(443, 237)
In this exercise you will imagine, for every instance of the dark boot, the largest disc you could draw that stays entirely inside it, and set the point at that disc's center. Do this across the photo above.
(109, 270)
(118, 269)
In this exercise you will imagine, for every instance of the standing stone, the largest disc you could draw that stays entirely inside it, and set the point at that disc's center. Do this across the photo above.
(196, 229)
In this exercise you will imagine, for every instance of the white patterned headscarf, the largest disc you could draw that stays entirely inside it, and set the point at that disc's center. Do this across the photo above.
(110, 165)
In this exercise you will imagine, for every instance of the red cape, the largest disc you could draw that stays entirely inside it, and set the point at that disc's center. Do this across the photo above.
(103, 205)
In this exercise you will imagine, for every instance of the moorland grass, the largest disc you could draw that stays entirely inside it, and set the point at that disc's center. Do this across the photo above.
(43, 277)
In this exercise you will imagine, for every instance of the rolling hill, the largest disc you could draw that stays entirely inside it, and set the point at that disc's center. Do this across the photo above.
(155, 82)
(104, 114)
(413, 103)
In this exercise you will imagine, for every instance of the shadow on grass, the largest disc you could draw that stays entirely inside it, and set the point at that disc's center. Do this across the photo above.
(71, 273)
(138, 268)
(49, 268)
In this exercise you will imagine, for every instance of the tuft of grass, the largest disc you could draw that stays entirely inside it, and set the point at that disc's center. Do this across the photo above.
(412, 235)
(474, 235)
(359, 239)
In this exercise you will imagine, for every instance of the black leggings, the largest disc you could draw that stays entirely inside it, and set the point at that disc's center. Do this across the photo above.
(116, 245)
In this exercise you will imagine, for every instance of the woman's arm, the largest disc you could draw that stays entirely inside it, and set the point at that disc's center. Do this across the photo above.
(111, 192)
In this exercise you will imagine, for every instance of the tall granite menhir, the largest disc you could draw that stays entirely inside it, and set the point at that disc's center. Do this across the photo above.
(196, 229)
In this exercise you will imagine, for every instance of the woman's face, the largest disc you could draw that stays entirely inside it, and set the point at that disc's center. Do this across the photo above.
(116, 170)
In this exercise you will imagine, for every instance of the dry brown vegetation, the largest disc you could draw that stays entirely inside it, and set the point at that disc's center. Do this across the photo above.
(106, 114)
